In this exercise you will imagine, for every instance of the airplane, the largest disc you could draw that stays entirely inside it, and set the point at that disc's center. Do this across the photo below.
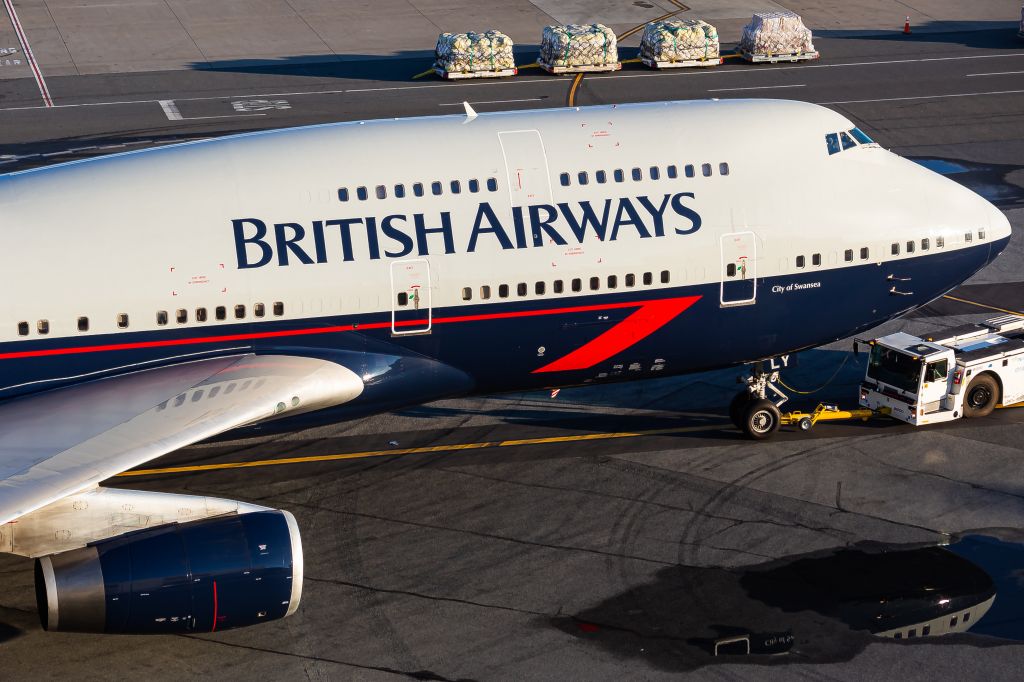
(278, 279)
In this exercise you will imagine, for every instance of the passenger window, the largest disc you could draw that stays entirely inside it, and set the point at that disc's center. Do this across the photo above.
(343, 194)
(967, 616)
(23, 329)
(864, 253)
(201, 314)
(83, 324)
(582, 178)
(521, 289)
(538, 288)
(362, 193)
(910, 247)
(600, 177)
(502, 291)
(968, 237)
(613, 282)
(940, 242)
(815, 259)
(925, 244)
(689, 170)
(435, 188)
(664, 276)
(730, 270)
(564, 179)
(278, 308)
(181, 316)
(403, 298)
(382, 192)
(259, 310)
(648, 279)
(122, 320)
(474, 186)
(467, 293)
(638, 174)
(800, 261)
(557, 286)
(577, 284)
(832, 142)
(926, 630)
(705, 168)
(485, 292)
(240, 311)
(619, 175)
(895, 249)
(43, 326)
(655, 173)
(981, 234)
(417, 189)
(723, 169)
(912, 633)
(672, 172)
(952, 622)
(898, 635)
(630, 280)
(492, 184)
(595, 283)
(848, 255)
(220, 312)
(848, 142)
(161, 317)
(399, 191)
(456, 187)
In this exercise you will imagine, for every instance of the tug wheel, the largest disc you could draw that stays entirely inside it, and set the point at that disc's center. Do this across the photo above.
(982, 396)
(738, 407)
(761, 419)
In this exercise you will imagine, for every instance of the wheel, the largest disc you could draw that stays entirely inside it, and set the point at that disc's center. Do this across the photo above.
(738, 406)
(981, 397)
(762, 419)
(806, 424)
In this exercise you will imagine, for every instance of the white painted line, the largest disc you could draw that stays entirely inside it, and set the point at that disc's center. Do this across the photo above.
(759, 87)
(200, 118)
(997, 73)
(907, 99)
(170, 109)
(29, 57)
(493, 101)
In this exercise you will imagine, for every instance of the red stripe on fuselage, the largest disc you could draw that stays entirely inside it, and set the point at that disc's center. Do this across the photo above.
(652, 316)
(250, 336)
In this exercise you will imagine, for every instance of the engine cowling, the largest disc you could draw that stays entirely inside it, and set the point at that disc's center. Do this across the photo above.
(204, 576)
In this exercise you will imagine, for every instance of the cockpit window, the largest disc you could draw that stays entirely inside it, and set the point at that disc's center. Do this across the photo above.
(861, 136)
(832, 142)
(847, 141)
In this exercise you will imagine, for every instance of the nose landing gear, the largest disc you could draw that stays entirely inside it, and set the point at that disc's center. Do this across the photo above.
(751, 410)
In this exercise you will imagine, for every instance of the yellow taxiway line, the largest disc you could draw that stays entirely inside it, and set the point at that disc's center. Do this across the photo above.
(983, 305)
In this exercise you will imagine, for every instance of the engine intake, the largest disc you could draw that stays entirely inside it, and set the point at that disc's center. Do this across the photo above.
(204, 576)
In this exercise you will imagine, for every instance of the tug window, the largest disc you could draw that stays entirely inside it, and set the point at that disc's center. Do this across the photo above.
(638, 174)
(382, 192)
(723, 168)
(564, 179)
(399, 191)
(689, 170)
(492, 185)
(648, 278)
(474, 186)
(278, 308)
(630, 280)
(815, 259)
(239, 311)
(582, 178)
(343, 194)
(672, 172)
(577, 284)
(521, 289)
(557, 286)
(83, 324)
(362, 193)
(595, 283)
(485, 292)
(181, 316)
(122, 320)
(664, 276)
(435, 188)
(864, 253)
(655, 173)
(43, 326)
(417, 189)
(258, 309)
(403, 298)
(220, 312)
(705, 169)
(619, 175)
(848, 255)
(600, 177)
(832, 142)
(800, 262)
(613, 282)
(456, 187)
(503, 291)
(23, 329)
(895, 249)
(467, 294)
(201, 315)
(538, 288)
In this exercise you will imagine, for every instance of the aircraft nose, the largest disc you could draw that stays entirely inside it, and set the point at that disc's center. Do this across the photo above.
(999, 230)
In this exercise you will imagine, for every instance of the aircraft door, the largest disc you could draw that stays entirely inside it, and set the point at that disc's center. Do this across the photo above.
(739, 276)
(526, 164)
(410, 297)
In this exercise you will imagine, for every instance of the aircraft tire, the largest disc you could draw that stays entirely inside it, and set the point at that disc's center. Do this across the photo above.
(738, 407)
(981, 397)
(761, 419)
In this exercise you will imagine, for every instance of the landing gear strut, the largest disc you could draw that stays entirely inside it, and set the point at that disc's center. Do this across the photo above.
(752, 411)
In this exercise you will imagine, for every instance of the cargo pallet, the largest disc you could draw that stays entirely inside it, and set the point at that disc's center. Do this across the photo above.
(592, 68)
(772, 58)
(460, 75)
(681, 64)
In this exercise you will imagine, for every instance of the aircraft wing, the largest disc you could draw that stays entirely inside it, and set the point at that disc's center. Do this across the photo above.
(64, 441)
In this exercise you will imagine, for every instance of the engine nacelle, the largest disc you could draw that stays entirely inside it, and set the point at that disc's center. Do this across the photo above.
(204, 576)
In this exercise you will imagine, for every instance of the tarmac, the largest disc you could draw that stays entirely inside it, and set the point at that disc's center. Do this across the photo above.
(607, 532)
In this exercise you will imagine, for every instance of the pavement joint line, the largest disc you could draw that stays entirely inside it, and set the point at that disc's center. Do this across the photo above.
(759, 87)
(919, 97)
(457, 447)
(553, 81)
(493, 101)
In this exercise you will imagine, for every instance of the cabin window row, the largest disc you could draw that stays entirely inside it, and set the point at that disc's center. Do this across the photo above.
(575, 285)
(181, 316)
(637, 174)
(419, 189)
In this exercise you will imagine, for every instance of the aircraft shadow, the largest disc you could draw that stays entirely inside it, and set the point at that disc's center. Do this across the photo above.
(992, 35)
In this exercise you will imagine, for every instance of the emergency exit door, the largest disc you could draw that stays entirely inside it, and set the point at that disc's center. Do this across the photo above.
(410, 297)
(739, 276)
(526, 164)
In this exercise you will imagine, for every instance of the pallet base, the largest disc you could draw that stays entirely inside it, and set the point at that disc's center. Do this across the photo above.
(559, 70)
(781, 57)
(455, 75)
(683, 64)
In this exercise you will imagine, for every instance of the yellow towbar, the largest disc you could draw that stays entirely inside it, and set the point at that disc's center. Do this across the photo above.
(824, 412)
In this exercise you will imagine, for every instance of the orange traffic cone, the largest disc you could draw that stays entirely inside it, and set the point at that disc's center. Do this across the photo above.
(906, 27)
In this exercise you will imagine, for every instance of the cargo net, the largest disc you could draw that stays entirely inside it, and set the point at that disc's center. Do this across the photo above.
(578, 45)
(469, 52)
(679, 41)
(776, 33)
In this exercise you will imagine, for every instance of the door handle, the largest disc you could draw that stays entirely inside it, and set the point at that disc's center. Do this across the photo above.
(894, 278)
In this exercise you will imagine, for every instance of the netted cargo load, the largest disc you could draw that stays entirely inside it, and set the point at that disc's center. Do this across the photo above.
(576, 47)
(679, 40)
(474, 53)
(776, 33)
